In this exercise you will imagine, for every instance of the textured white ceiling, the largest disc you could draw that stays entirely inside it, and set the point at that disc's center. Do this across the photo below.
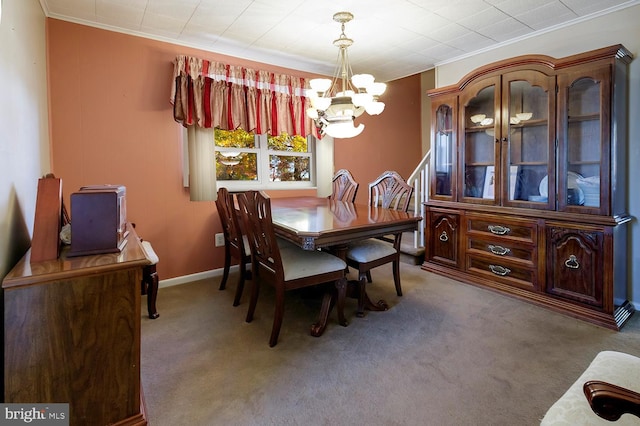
(392, 38)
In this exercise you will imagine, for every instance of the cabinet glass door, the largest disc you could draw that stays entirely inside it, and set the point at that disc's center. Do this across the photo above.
(583, 144)
(527, 140)
(443, 151)
(479, 153)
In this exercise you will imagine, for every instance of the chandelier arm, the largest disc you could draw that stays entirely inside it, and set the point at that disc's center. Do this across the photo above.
(336, 77)
(349, 72)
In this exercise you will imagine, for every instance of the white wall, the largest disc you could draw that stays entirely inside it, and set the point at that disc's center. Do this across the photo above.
(24, 128)
(620, 27)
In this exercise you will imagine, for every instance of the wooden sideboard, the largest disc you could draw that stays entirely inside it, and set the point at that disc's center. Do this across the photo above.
(72, 334)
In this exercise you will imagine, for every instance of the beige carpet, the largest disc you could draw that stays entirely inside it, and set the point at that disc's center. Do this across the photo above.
(446, 353)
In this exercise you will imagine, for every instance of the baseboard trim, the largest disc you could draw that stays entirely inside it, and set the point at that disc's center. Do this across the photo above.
(184, 279)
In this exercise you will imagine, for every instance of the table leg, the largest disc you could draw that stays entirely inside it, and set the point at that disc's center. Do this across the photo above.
(358, 289)
(364, 302)
(334, 296)
(318, 328)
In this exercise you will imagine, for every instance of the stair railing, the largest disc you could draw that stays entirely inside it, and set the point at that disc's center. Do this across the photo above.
(419, 179)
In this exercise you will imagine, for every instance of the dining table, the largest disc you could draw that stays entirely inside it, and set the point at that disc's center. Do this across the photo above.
(323, 223)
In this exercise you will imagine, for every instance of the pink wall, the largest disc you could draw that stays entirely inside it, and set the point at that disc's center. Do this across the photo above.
(390, 141)
(111, 122)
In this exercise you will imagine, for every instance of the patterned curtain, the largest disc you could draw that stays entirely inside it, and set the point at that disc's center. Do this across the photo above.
(212, 94)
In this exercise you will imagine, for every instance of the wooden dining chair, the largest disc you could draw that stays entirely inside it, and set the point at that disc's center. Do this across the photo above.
(344, 186)
(389, 191)
(285, 267)
(150, 281)
(235, 245)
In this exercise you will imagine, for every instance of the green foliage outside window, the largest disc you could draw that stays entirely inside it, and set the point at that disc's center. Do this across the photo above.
(241, 167)
(288, 167)
(284, 142)
(242, 164)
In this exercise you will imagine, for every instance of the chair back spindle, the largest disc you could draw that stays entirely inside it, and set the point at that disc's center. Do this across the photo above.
(345, 187)
(256, 206)
(234, 243)
(228, 218)
(390, 191)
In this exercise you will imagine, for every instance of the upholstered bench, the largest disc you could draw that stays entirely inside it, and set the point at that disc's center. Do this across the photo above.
(610, 386)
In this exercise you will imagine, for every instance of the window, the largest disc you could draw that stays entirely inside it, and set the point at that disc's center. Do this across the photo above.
(245, 160)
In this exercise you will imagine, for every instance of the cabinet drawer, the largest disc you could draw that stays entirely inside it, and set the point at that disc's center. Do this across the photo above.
(502, 271)
(496, 226)
(501, 248)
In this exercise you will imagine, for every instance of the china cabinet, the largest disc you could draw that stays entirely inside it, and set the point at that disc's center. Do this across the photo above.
(527, 185)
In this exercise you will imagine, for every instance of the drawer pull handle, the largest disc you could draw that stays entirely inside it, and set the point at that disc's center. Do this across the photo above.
(499, 250)
(499, 270)
(499, 230)
(572, 262)
(444, 237)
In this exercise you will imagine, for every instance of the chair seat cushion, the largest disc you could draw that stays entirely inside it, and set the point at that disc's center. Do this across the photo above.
(148, 250)
(369, 250)
(573, 408)
(299, 263)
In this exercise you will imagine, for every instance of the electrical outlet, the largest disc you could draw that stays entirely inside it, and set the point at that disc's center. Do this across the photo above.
(219, 240)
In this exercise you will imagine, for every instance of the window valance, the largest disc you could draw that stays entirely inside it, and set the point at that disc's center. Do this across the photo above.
(212, 94)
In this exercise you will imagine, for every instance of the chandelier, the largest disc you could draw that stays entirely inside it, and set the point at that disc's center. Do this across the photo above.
(336, 103)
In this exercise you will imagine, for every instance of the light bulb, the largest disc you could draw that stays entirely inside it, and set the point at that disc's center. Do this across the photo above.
(376, 89)
(312, 113)
(347, 93)
(320, 85)
(343, 130)
(374, 108)
(362, 81)
(320, 103)
(361, 99)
